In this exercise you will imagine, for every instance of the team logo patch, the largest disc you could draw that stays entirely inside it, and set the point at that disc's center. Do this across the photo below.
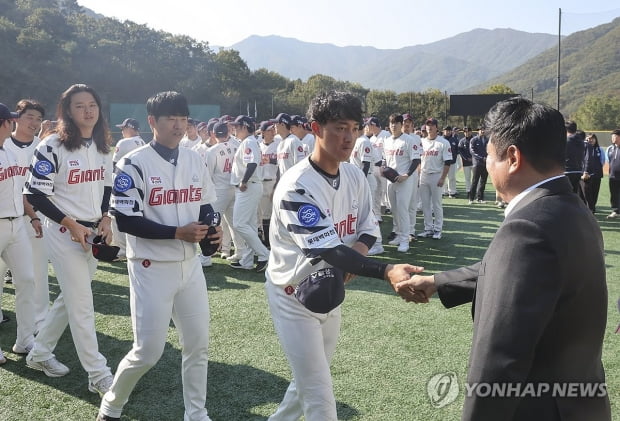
(122, 183)
(300, 148)
(63, 229)
(367, 149)
(308, 215)
(289, 290)
(146, 263)
(248, 151)
(43, 168)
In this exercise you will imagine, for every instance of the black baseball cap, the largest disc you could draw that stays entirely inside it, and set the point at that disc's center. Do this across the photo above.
(283, 118)
(431, 122)
(6, 114)
(373, 121)
(265, 125)
(244, 120)
(132, 123)
(220, 129)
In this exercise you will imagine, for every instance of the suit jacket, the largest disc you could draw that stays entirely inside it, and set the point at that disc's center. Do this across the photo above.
(539, 308)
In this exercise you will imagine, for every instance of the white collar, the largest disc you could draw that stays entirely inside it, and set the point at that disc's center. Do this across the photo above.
(524, 193)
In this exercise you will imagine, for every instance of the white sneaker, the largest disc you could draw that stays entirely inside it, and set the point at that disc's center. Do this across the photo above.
(2, 359)
(426, 234)
(437, 235)
(205, 261)
(403, 247)
(51, 367)
(612, 215)
(377, 248)
(234, 257)
(394, 242)
(102, 386)
(470, 202)
(21, 350)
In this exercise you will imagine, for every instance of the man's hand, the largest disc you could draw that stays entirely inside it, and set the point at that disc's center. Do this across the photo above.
(243, 187)
(216, 237)
(79, 233)
(395, 274)
(37, 227)
(105, 229)
(192, 232)
(417, 289)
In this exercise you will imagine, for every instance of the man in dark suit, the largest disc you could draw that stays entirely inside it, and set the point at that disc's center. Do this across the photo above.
(539, 294)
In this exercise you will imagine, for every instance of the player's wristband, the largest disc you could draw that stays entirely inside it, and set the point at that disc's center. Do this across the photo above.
(34, 219)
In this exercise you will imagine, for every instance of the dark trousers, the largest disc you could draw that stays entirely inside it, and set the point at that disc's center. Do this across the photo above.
(589, 191)
(574, 179)
(614, 194)
(478, 183)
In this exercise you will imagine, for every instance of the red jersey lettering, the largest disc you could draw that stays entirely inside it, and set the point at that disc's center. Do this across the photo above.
(159, 196)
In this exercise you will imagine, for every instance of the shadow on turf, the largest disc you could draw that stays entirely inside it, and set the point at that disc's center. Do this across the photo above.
(234, 392)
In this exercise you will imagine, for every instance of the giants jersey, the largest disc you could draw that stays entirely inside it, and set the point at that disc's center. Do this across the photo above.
(248, 153)
(436, 152)
(147, 185)
(73, 180)
(220, 158)
(14, 163)
(311, 215)
(186, 142)
(400, 152)
(290, 152)
(362, 152)
(126, 145)
(269, 152)
(377, 145)
(308, 142)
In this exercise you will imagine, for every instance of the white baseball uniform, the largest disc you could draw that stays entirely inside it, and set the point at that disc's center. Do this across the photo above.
(219, 159)
(308, 142)
(246, 202)
(290, 152)
(15, 247)
(123, 147)
(435, 153)
(415, 195)
(74, 181)
(269, 153)
(311, 212)
(399, 152)
(40, 258)
(186, 142)
(165, 275)
(379, 195)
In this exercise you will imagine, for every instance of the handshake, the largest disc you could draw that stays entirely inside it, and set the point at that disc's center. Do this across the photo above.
(416, 288)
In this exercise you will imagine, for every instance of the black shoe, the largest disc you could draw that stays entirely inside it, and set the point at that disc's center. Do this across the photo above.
(5, 319)
(391, 236)
(8, 277)
(261, 266)
(101, 417)
(388, 212)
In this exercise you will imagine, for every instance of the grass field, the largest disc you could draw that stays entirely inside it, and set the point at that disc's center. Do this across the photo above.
(388, 349)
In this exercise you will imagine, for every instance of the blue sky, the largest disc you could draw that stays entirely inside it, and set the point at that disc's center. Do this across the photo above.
(392, 24)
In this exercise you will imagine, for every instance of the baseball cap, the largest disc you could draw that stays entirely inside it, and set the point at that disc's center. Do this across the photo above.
(244, 120)
(132, 123)
(6, 114)
(265, 125)
(220, 129)
(407, 116)
(192, 121)
(372, 121)
(211, 124)
(283, 118)
(431, 122)
(297, 120)
(226, 118)
(201, 125)
(447, 128)
(616, 132)
(321, 291)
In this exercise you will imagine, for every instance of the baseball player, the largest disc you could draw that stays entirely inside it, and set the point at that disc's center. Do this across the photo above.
(70, 183)
(130, 129)
(362, 157)
(191, 137)
(219, 161)
(269, 152)
(377, 136)
(290, 148)
(161, 193)
(247, 177)
(15, 247)
(450, 135)
(436, 159)
(322, 220)
(409, 129)
(401, 154)
(298, 128)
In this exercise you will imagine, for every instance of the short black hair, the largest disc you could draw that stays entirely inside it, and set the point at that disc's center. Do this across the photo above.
(537, 130)
(395, 118)
(571, 126)
(168, 103)
(335, 105)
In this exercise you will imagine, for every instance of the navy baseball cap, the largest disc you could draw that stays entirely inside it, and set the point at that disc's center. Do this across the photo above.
(297, 120)
(132, 123)
(431, 122)
(220, 129)
(192, 121)
(447, 128)
(321, 291)
(201, 125)
(407, 116)
(6, 114)
(372, 121)
(283, 118)
(226, 118)
(211, 124)
(244, 120)
(265, 125)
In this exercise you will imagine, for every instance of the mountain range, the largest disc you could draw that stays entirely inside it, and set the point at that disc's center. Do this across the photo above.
(453, 64)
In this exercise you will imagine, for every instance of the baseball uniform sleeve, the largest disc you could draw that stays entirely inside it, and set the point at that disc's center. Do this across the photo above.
(43, 170)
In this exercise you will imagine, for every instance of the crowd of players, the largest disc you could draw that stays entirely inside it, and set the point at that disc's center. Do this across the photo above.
(408, 169)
